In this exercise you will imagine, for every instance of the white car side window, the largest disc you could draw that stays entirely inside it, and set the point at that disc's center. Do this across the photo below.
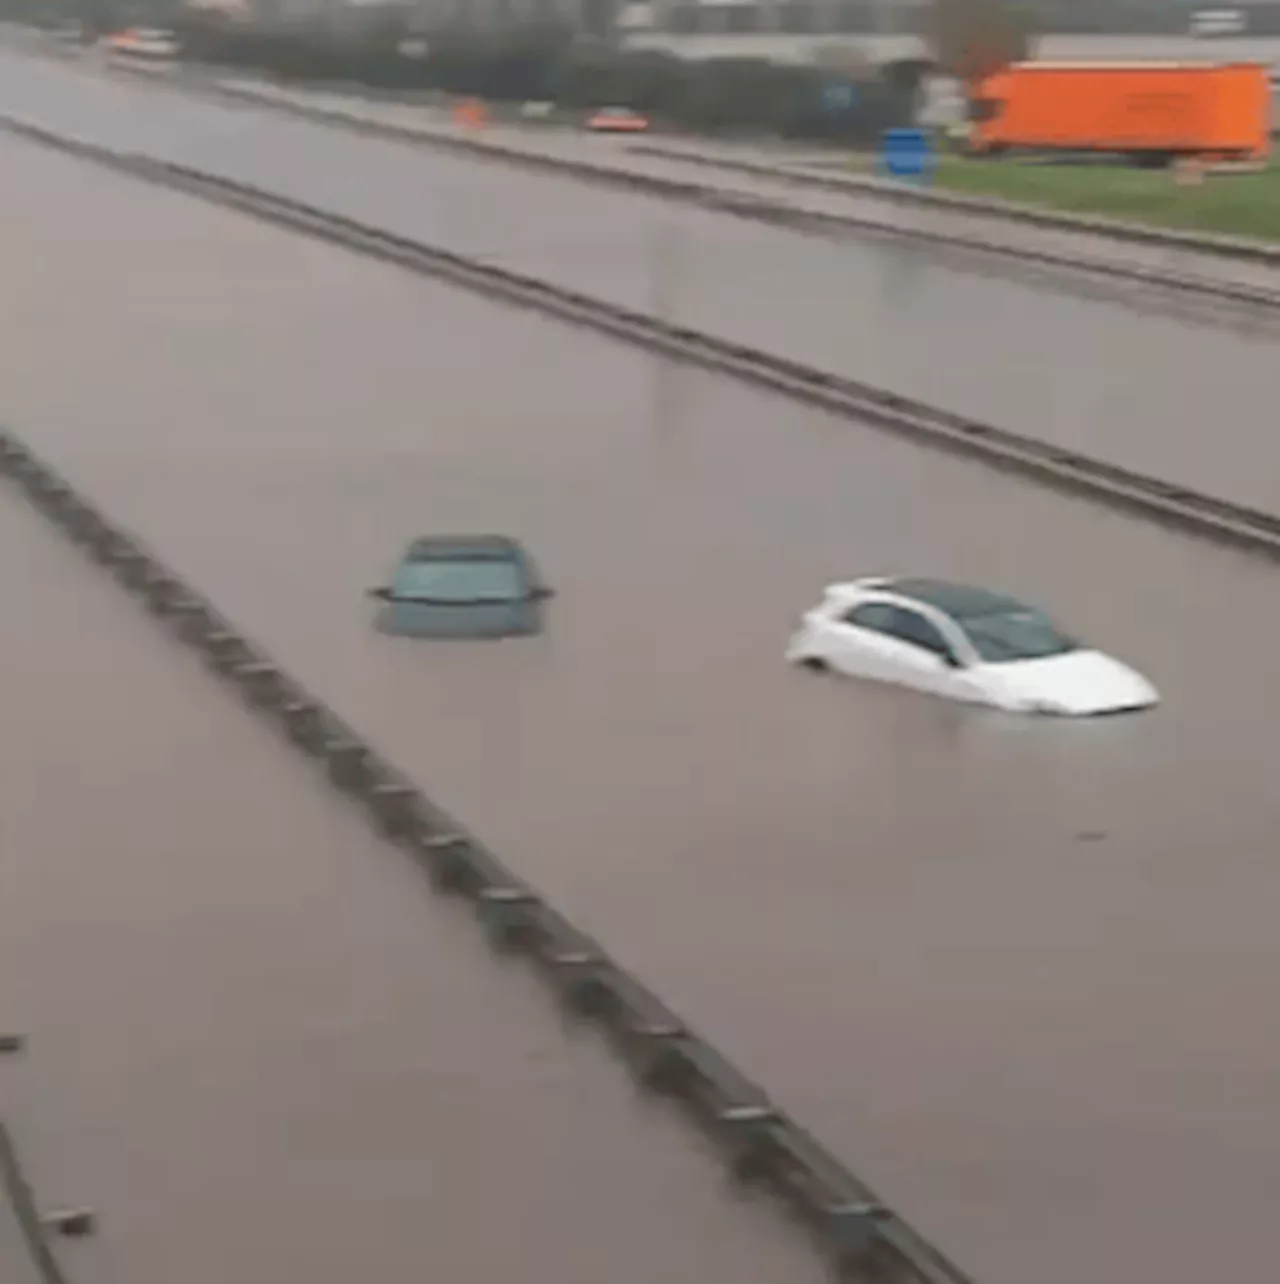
(912, 627)
(876, 616)
(904, 626)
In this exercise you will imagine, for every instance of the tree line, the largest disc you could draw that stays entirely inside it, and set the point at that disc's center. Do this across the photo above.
(840, 96)
(540, 64)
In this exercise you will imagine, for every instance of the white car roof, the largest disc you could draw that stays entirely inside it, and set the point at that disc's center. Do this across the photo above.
(855, 588)
(959, 601)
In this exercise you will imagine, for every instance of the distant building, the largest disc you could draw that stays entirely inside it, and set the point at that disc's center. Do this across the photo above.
(878, 19)
(885, 30)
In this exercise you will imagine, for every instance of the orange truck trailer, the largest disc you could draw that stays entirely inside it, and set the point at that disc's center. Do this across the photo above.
(1151, 110)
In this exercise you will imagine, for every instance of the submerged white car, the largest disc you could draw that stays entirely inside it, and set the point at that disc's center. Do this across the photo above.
(964, 643)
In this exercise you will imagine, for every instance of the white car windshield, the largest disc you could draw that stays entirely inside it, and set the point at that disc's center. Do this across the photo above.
(1025, 634)
(461, 580)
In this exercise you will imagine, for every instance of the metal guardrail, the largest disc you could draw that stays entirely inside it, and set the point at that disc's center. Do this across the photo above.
(16, 1191)
(761, 209)
(757, 208)
(1239, 249)
(1154, 498)
(761, 1144)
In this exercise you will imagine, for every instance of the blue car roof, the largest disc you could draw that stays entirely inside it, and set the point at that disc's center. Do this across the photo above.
(431, 547)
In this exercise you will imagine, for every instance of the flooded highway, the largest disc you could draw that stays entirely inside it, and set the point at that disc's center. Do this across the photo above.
(1029, 352)
(1017, 972)
(258, 1046)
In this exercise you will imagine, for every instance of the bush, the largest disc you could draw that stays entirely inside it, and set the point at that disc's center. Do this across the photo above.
(546, 64)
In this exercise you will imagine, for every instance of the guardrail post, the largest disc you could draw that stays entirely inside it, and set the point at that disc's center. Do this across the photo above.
(507, 914)
(746, 1131)
(51, 494)
(224, 650)
(578, 981)
(82, 524)
(73, 1223)
(349, 766)
(105, 545)
(194, 618)
(397, 809)
(659, 1057)
(160, 591)
(263, 683)
(135, 570)
(304, 723)
(446, 859)
(853, 1230)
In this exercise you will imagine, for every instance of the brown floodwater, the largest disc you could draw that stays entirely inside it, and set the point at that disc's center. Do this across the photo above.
(1042, 354)
(259, 1047)
(1018, 973)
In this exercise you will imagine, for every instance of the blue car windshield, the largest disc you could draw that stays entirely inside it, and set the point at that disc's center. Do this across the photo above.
(461, 580)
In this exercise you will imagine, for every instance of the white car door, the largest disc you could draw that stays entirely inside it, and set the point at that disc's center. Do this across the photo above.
(934, 664)
(892, 644)
(860, 643)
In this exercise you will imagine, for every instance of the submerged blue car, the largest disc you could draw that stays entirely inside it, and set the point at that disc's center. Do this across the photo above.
(463, 586)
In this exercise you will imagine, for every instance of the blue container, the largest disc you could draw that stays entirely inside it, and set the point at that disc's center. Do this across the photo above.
(907, 153)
